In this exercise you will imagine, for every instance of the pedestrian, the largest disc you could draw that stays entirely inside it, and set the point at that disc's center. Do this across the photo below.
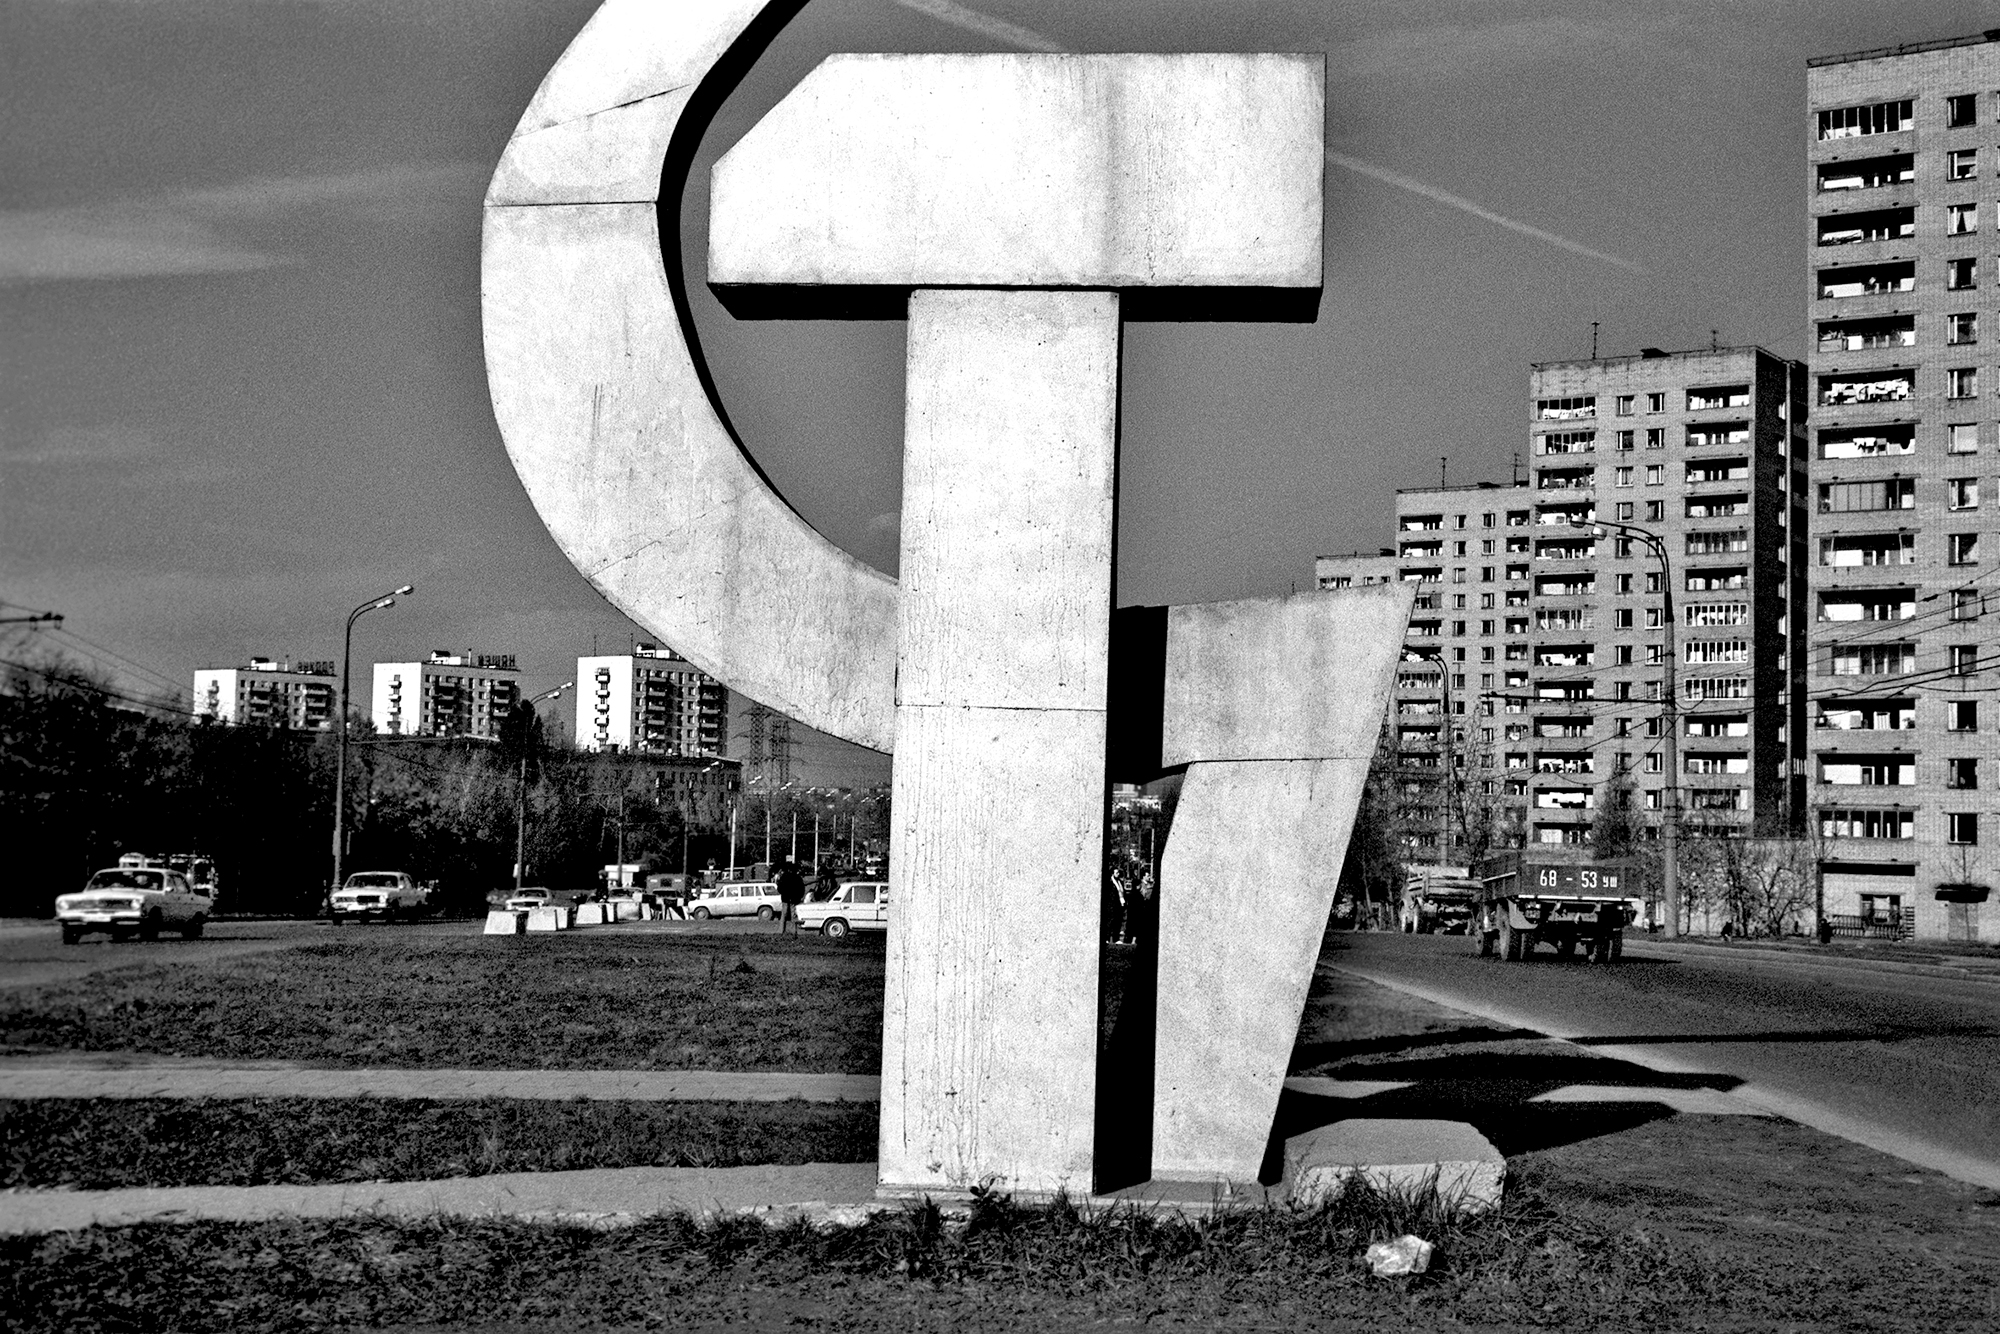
(1146, 910)
(824, 884)
(1121, 914)
(791, 892)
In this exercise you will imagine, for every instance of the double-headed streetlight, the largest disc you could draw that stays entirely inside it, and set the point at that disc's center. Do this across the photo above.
(521, 799)
(340, 764)
(1670, 820)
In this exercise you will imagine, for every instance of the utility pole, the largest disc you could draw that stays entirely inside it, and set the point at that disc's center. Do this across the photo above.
(521, 797)
(1670, 718)
(340, 764)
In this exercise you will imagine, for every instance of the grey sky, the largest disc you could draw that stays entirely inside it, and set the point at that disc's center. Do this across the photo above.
(240, 375)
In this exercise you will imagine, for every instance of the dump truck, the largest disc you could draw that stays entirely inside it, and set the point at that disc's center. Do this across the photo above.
(1556, 896)
(1439, 898)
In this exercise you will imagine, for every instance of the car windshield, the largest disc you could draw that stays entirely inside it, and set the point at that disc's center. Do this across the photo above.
(372, 881)
(123, 879)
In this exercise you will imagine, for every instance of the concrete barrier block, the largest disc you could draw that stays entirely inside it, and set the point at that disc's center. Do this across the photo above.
(504, 922)
(548, 919)
(593, 914)
(1401, 1156)
(628, 911)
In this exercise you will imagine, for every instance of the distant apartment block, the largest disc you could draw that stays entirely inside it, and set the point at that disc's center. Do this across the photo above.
(1536, 653)
(1903, 173)
(651, 701)
(1357, 569)
(446, 695)
(265, 693)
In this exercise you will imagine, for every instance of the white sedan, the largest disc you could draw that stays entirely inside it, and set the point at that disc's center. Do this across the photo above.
(859, 905)
(127, 901)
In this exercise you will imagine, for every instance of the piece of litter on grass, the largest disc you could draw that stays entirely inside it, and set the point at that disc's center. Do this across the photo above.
(1404, 1255)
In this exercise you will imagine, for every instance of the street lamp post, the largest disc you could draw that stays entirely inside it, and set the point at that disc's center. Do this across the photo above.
(1670, 819)
(521, 801)
(340, 763)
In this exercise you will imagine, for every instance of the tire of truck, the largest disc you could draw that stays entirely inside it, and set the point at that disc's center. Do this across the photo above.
(192, 931)
(1601, 950)
(1512, 942)
(1617, 945)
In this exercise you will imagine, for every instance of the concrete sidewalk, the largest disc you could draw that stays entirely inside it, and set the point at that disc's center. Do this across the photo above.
(71, 1076)
(828, 1191)
(1958, 967)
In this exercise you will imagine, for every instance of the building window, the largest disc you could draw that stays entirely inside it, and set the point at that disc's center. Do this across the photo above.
(1653, 586)
(1857, 122)
(1458, 628)
(1655, 474)
(1962, 327)
(1621, 477)
(1962, 548)
(1961, 219)
(1458, 521)
(1458, 548)
(1625, 442)
(1961, 774)
(1656, 437)
(1961, 274)
(1962, 438)
(1621, 547)
(1625, 506)
(1485, 601)
(1656, 402)
(1458, 602)
(1961, 164)
(1486, 547)
(1622, 619)
(1486, 654)
(1486, 627)
(1624, 405)
(1653, 763)
(1962, 382)
(1964, 659)
(1962, 715)
(1565, 409)
(1966, 604)
(1622, 655)
(1458, 574)
(1486, 520)
(1656, 510)
(1963, 492)
(1962, 828)
(1959, 111)
(1486, 577)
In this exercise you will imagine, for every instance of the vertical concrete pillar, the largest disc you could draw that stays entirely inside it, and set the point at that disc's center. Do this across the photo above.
(997, 827)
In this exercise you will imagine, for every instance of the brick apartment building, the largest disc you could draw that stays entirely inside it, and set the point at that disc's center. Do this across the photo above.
(1903, 181)
(1539, 623)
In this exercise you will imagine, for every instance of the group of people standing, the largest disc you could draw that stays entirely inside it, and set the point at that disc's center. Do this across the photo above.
(1131, 909)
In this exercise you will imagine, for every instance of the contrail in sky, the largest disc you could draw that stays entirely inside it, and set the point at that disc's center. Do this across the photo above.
(945, 11)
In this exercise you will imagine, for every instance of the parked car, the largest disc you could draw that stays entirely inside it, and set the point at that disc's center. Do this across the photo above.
(383, 895)
(127, 901)
(750, 898)
(530, 898)
(858, 905)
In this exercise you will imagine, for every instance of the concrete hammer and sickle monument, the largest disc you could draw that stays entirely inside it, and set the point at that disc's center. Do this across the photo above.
(1015, 209)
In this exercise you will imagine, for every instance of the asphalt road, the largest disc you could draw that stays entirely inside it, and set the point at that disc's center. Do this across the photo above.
(1907, 1062)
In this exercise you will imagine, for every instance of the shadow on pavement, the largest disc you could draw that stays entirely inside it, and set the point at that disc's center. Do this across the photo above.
(1494, 1092)
(1308, 1056)
(1879, 1033)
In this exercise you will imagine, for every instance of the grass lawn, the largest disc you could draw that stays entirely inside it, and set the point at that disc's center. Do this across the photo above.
(96, 1144)
(1713, 1224)
(655, 1002)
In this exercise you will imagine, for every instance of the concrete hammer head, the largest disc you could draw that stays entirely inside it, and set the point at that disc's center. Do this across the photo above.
(1190, 183)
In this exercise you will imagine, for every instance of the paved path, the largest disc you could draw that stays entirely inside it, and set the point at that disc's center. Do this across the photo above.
(71, 1076)
(609, 1195)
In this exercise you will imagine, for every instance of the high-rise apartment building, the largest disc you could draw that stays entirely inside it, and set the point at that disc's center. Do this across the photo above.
(1540, 627)
(1903, 175)
(446, 695)
(651, 701)
(265, 693)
